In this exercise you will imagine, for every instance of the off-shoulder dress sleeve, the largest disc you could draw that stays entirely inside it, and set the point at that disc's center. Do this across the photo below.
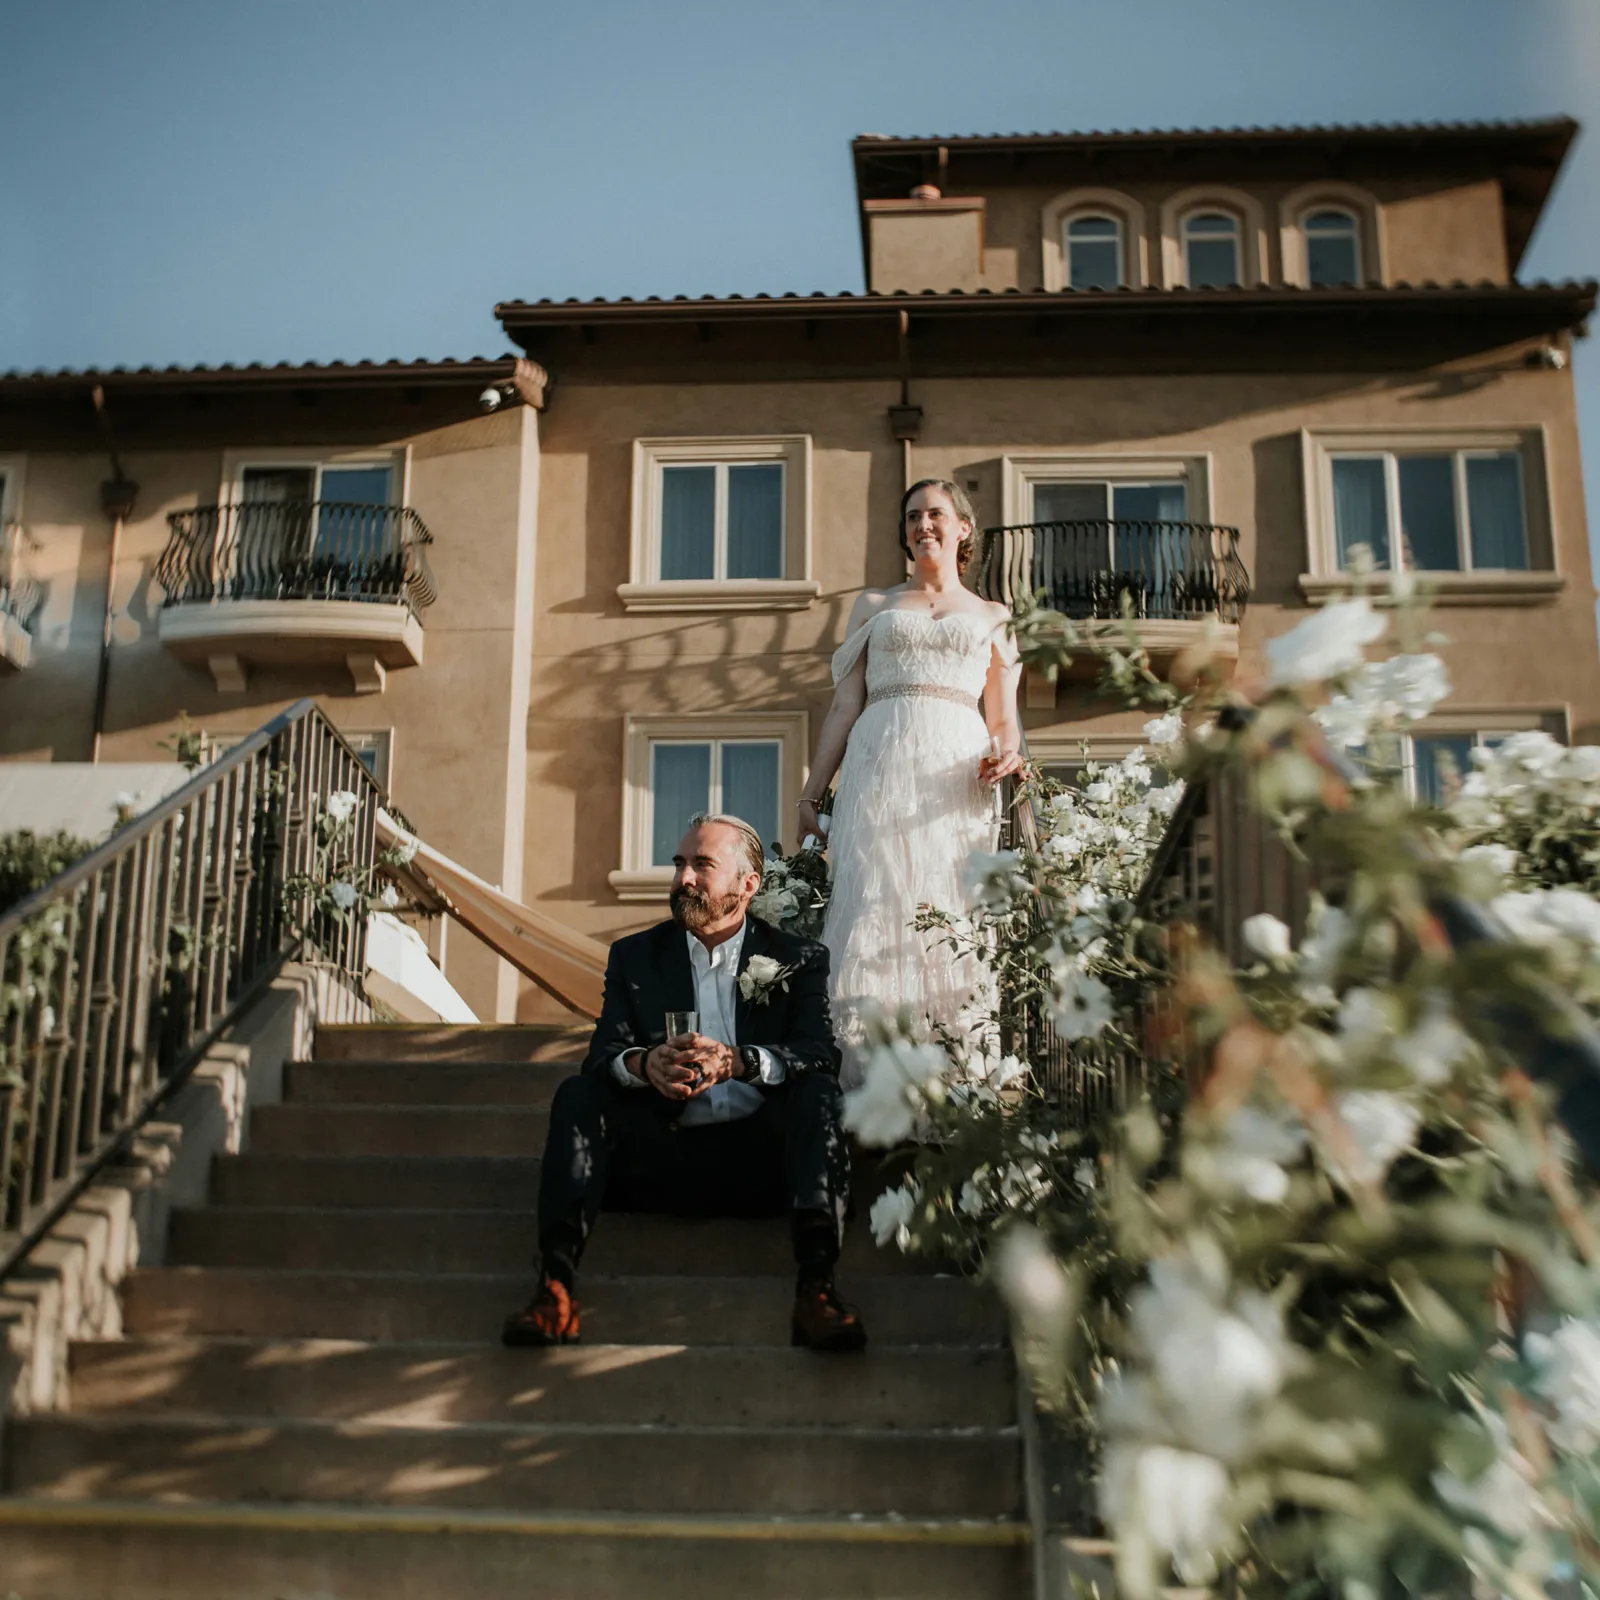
(845, 657)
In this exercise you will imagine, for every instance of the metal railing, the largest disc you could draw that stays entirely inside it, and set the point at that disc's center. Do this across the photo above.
(119, 974)
(19, 596)
(297, 550)
(1159, 571)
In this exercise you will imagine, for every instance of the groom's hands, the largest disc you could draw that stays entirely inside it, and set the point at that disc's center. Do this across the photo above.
(680, 1072)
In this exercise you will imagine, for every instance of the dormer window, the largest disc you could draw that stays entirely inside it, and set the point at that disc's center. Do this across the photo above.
(1094, 253)
(1211, 250)
(1333, 248)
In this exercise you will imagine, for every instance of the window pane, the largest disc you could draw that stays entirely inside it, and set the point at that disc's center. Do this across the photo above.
(1069, 502)
(1360, 508)
(364, 486)
(273, 485)
(1094, 253)
(1494, 510)
(1147, 558)
(750, 787)
(680, 785)
(688, 523)
(1148, 502)
(1428, 513)
(1442, 760)
(1212, 252)
(755, 521)
(1333, 253)
(347, 530)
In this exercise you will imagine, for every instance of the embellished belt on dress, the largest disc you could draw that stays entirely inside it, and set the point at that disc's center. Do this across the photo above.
(938, 691)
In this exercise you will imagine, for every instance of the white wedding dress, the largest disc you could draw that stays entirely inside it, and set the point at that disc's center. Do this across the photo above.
(908, 813)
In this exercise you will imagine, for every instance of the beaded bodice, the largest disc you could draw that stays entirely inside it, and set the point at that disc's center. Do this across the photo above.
(911, 648)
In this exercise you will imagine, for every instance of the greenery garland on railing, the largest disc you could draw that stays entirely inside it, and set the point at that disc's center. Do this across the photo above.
(1324, 1306)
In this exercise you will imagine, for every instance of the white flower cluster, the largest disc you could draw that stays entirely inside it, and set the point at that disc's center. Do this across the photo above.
(1205, 1361)
(1384, 695)
(901, 1081)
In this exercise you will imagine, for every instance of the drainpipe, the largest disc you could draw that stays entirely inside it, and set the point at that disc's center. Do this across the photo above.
(117, 495)
(905, 419)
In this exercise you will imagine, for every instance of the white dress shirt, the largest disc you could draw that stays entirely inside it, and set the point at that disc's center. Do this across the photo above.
(716, 991)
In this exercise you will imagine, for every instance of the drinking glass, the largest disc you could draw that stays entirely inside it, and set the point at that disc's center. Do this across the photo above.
(680, 1024)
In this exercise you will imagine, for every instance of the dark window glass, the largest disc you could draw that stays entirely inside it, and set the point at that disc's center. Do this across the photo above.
(688, 523)
(1333, 251)
(1428, 513)
(755, 520)
(1094, 253)
(1440, 762)
(1360, 507)
(680, 785)
(750, 787)
(1211, 246)
(1494, 510)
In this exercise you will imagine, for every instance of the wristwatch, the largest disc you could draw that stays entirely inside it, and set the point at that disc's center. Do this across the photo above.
(750, 1058)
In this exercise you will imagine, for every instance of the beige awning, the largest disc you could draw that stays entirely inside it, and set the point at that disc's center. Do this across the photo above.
(570, 966)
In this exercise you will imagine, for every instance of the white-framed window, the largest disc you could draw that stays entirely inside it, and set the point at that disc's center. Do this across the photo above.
(1432, 762)
(375, 749)
(1212, 250)
(1093, 239)
(1332, 247)
(1431, 510)
(1330, 234)
(1095, 251)
(1468, 509)
(1213, 237)
(721, 524)
(748, 764)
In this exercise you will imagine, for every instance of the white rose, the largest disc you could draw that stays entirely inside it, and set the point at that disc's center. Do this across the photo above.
(1255, 1145)
(1569, 1378)
(1030, 1278)
(1433, 1049)
(891, 1214)
(898, 1081)
(342, 894)
(1267, 937)
(1081, 1007)
(1171, 1498)
(390, 897)
(1327, 643)
(340, 804)
(1380, 1125)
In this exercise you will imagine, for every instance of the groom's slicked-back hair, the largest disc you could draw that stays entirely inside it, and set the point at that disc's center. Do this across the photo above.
(755, 853)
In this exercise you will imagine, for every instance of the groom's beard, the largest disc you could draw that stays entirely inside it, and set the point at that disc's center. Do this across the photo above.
(694, 909)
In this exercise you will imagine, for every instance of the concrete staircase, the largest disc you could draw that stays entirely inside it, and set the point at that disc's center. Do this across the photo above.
(310, 1402)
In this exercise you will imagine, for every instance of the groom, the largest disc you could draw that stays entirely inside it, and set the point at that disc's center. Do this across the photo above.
(738, 1119)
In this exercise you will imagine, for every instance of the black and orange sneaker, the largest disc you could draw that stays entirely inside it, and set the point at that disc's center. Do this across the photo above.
(551, 1317)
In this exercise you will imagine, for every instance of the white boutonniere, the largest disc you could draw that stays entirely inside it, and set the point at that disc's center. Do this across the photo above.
(763, 974)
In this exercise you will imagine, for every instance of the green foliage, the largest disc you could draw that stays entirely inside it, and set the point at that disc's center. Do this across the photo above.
(29, 860)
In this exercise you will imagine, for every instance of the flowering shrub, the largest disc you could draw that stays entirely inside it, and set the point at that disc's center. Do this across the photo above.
(337, 888)
(1333, 1315)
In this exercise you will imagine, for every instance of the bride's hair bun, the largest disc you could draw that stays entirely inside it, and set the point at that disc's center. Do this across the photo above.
(963, 509)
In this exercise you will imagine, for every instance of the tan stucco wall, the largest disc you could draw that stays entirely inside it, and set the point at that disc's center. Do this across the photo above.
(593, 663)
(455, 719)
(933, 248)
(1428, 232)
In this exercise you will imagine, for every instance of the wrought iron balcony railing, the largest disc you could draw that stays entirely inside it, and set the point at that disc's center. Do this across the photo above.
(1160, 571)
(297, 550)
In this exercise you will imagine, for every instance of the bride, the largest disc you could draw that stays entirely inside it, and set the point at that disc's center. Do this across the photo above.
(917, 762)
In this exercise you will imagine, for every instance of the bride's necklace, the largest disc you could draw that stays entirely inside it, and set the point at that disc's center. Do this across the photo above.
(930, 608)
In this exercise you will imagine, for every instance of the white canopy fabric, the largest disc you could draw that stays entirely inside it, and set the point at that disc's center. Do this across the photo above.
(402, 974)
(568, 965)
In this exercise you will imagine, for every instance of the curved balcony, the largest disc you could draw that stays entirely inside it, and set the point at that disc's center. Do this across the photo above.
(296, 583)
(1177, 580)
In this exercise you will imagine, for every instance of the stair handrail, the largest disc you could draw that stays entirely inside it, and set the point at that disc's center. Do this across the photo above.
(119, 974)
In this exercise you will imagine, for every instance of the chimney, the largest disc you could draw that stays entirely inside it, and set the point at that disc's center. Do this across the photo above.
(925, 241)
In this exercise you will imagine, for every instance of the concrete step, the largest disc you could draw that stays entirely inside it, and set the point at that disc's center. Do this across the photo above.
(512, 1466)
(314, 1239)
(111, 1550)
(431, 1083)
(470, 1308)
(299, 1129)
(398, 1183)
(409, 1183)
(441, 1041)
(657, 1385)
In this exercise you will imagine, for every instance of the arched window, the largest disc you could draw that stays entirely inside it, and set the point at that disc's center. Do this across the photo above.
(1333, 248)
(1211, 250)
(1094, 253)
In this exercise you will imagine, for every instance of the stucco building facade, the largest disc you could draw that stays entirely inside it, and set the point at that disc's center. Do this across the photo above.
(1163, 362)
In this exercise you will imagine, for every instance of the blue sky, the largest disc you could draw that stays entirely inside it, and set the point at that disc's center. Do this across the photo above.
(237, 180)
